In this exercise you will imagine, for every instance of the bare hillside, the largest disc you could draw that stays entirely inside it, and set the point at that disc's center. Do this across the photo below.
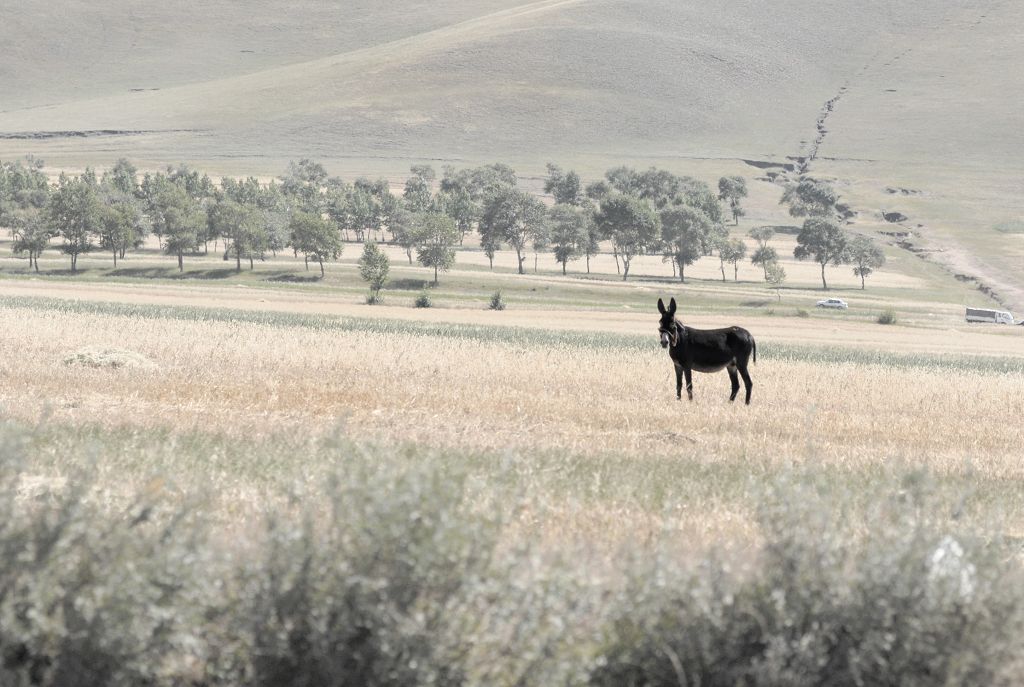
(504, 79)
(908, 106)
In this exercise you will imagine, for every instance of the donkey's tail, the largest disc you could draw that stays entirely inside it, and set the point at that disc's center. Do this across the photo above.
(754, 344)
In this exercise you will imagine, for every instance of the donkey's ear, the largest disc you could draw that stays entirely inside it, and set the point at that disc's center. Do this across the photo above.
(661, 306)
(672, 307)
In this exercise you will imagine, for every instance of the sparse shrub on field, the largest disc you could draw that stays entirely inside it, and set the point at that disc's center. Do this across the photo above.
(887, 316)
(800, 312)
(423, 300)
(497, 302)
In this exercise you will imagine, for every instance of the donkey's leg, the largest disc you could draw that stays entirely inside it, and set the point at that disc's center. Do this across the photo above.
(689, 383)
(734, 378)
(746, 379)
(679, 381)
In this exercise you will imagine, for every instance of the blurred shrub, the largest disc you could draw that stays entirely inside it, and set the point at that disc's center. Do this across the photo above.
(400, 572)
(824, 603)
(423, 300)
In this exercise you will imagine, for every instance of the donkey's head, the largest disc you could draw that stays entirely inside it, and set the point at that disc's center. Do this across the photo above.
(667, 324)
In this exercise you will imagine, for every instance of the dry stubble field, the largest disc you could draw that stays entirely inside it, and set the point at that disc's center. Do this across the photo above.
(586, 423)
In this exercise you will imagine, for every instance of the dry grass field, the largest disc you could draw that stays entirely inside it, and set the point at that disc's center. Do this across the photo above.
(590, 398)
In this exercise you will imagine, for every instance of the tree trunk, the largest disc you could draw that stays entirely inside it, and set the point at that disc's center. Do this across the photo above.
(861, 281)
(408, 252)
(306, 258)
(491, 259)
(520, 258)
(238, 261)
(435, 275)
(37, 261)
(615, 252)
(74, 262)
(181, 262)
(535, 263)
(115, 257)
(321, 269)
(625, 268)
(721, 263)
(588, 263)
(682, 272)
(563, 267)
(823, 283)
(251, 267)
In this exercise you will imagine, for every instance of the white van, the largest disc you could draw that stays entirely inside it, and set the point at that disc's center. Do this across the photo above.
(982, 315)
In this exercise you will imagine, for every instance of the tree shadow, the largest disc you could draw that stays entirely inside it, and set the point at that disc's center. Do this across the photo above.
(756, 304)
(292, 278)
(171, 273)
(407, 284)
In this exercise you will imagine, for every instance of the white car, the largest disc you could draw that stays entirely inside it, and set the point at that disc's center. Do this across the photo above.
(833, 303)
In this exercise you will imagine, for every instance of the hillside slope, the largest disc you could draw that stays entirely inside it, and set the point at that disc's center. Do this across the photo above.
(515, 80)
(908, 106)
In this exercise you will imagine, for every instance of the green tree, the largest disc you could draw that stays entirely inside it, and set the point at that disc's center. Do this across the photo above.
(686, 232)
(122, 223)
(180, 220)
(569, 233)
(765, 256)
(363, 212)
(74, 212)
(404, 226)
(514, 217)
(823, 241)
(865, 256)
(435, 244)
(31, 234)
(123, 176)
(458, 204)
(775, 276)
(762, 235)
(732, 251)
(315, 238)
(631, 224)
(242, 228)
(373, 267)
(810, 198)
(418, 192)
(23, 186)
(733, 190)
(565, 187)
(304, 182)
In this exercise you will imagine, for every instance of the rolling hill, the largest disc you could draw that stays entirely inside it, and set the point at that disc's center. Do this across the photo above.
(908, 106)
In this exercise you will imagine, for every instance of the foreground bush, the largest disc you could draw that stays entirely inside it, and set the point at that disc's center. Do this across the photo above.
(901, 603)
(399, 572)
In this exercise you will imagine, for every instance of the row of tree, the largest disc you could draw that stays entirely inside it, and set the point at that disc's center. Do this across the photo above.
(636, 212)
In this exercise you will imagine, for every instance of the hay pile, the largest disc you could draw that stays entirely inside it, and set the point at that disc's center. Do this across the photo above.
(95, 356)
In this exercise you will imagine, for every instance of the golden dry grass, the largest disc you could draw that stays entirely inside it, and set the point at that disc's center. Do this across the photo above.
(565, 404)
